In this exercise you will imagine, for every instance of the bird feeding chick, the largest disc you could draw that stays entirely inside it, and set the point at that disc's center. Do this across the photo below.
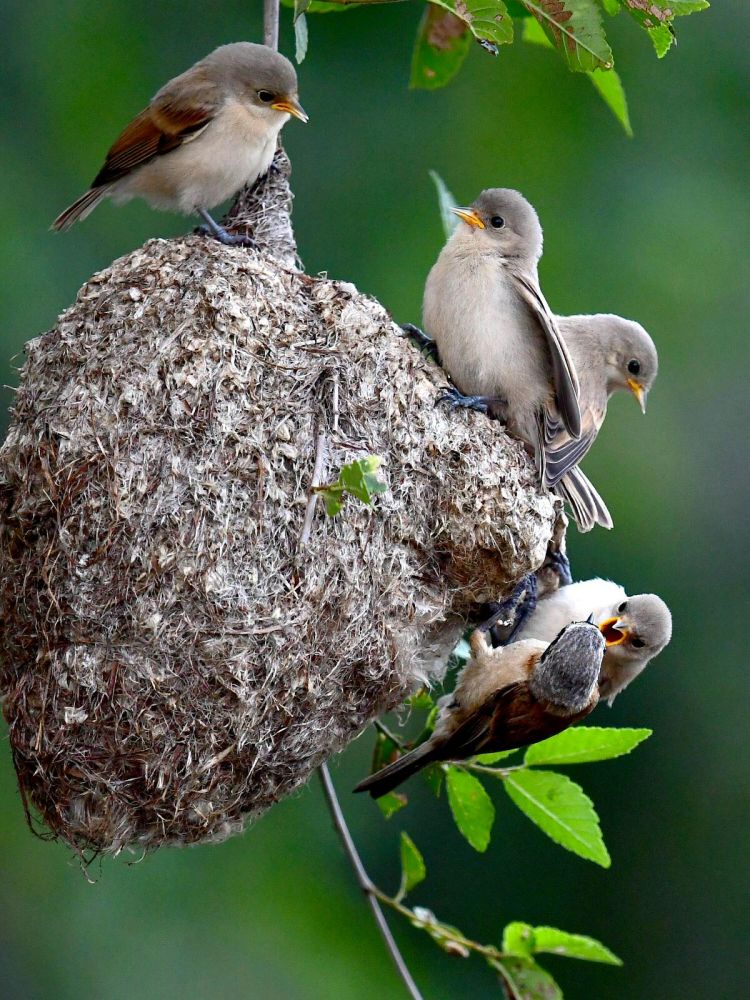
(511, 357)
(206, 134)
(636, 629)
(507, 697)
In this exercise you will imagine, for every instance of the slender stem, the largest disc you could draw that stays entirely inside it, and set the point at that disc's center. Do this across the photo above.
(271, 23)
(365, 883)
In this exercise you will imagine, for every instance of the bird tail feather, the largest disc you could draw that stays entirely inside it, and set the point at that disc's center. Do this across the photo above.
(389, 777)
(586, 505)
(80, 208)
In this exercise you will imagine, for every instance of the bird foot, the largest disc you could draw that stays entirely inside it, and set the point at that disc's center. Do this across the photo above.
(227, 238)
(506, 618)
(420, 338)
(495, 407)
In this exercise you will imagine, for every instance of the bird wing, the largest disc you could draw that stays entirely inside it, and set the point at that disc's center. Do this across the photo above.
(563, 371)
(563, 451)
(170, 120)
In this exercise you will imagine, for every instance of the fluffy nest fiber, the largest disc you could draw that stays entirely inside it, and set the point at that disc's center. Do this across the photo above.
(185, 635)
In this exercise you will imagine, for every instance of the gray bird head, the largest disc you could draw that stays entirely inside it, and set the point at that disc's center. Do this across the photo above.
(636, 631)
(632, 361)
(257, 76)
(568, 671)
(502, 220)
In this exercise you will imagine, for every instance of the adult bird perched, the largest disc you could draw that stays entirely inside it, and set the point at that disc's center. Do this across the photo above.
(507, 697)
(205, 134)
(636, 629)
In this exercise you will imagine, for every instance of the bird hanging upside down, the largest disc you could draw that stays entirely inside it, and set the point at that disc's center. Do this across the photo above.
(505, 698)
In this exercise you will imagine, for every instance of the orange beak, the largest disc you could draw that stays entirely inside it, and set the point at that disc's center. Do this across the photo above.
(469, 216)
(292, 107)
(613, 635)
(638, 391)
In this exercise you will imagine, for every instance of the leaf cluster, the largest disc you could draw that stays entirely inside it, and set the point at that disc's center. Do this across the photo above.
(358, 478)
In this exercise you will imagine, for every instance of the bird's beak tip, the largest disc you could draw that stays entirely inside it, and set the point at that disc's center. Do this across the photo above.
(292, 107)
(639, 392)
(469, 216)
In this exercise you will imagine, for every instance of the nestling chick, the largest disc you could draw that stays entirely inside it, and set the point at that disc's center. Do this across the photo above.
(507, 697)
(609, 354)
(205, 134)
(636, 629)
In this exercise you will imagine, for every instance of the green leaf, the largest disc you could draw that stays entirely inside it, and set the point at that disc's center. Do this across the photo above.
(656, 17)
(300, 38)
(334, 499)
(492, 758)
(420, 699)
(413, 870)
(609, 85)
(391, 803)
(487, 20)
(449, 938)
(575, 29)
(662, 39)
(360, 478)
(446, 202)
(524, 940)
(561, 809)
(584, 744)
(441, 46)
(471, 806)
(523, 979)
(434, 775)
(612, 7)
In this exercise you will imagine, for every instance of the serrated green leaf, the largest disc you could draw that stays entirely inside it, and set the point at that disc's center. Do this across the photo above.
(492, 758)
(359, 478)
(471, 806)
(440, 48)
(662, 39)
(300, 38)
(612, 7)
(561, 809)
(434, 775)
(413, 870)
(584, 744)
(446, 202)
(524, 941)
(334, 499)
(391, 803)
(609, 85)
(523, 979)
(487, 20)
(575, 29)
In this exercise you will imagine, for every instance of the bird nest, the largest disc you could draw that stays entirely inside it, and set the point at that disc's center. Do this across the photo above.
(186, 635)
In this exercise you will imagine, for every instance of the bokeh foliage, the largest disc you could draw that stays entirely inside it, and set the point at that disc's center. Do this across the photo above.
(649, 228)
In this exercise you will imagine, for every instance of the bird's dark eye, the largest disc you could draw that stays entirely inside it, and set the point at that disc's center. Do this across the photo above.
(634, 366)
(638, 643)
(622, 607)
(266, 96)
(497, 222)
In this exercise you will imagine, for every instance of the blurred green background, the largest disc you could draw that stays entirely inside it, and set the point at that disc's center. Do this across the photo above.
(655, 229)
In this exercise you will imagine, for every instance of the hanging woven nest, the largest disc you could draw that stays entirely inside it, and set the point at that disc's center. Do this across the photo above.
(185, 635)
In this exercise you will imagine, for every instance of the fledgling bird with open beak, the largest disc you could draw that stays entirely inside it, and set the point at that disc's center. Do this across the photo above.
(636, 629)
(609, 354)
(206, 134)
(507, 697)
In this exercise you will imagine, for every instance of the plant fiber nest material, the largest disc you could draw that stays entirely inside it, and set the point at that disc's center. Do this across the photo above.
(177, 650)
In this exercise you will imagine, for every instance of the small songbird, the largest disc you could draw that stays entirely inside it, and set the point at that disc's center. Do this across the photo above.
(636, 629)
(609, 353)
(495, 334)
(505, 698)
(205, 134)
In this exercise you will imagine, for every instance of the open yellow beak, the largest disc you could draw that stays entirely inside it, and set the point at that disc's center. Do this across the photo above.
(469, 216)
(639, 392)
(292, 107)
(613, 635)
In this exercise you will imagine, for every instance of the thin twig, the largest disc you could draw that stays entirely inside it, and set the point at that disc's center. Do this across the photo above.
(321, 453)
(271, 23)
(364, 881)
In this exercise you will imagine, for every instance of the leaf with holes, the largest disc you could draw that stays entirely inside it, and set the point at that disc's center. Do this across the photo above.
(471, 806)
(442, 44)
(523, 979)
(575, 29)
(487, 20)
(446, 202)
(524, 941)
(562, 810)
(584, 744)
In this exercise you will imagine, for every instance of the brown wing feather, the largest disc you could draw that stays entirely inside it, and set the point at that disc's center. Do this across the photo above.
(562, 451)
(164, 125)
